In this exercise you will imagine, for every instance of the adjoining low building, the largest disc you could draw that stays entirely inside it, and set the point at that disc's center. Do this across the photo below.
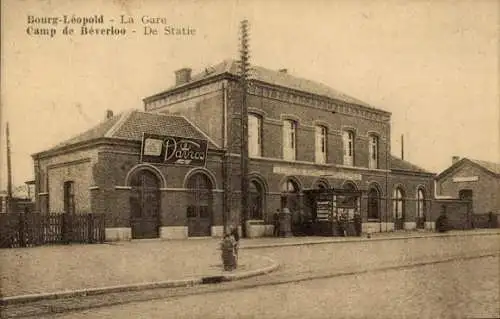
(101, 171)
(474, 180)
(302, 135)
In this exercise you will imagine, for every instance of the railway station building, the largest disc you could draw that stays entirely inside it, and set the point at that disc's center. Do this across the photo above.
(172, 169)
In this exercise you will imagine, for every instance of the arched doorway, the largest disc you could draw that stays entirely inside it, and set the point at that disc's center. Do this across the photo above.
(352, 203)
(290, 199)
(398, 208)
(373, 203)
(144, 204)
(256, 200)
(290, 192)
(199, 210)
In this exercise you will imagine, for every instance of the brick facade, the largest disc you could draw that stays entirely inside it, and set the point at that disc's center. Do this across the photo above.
(272, 105)
(209, 108)
(468, 175)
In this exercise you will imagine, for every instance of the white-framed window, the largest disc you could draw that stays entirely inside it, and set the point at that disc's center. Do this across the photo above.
(254, 135)
(397, 203)
(289, 140)
(348, 141)
(420, 203)
(373, 152)
(320, 149)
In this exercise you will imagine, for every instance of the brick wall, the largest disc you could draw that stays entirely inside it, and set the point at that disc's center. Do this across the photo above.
(456, 210)
(204, 110)
(486, 191)
(55, 170)
(113, 195)
(273, 112)
(410, 183)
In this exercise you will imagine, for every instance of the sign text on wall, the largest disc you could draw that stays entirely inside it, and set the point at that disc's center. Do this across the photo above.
(173, 150)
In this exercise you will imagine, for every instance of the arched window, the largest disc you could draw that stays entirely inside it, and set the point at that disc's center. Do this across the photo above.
(320, 145)
(256, 200)
(420, 203)
(373, 203)
(254, 135)
(373, 152)
(348, 141)
(289, 140)
(398, 203)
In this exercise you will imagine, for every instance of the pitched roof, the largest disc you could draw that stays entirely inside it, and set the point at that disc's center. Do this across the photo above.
(490, 166)
(278, 78)
(95, 132)
(399, 164)
(131, 125)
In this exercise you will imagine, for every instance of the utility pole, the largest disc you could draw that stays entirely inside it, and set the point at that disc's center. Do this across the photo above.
(228, 179)
(9, 170)
(244, 69)
(387, 170)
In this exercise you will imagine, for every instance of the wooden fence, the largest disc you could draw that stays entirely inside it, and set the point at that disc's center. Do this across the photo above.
(35, 229)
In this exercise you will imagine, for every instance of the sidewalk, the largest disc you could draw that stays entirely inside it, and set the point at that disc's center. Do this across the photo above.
(270, 242)
(91, 269)
(28, 274)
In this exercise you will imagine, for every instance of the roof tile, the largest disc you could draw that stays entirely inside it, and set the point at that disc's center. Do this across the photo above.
(135, 124)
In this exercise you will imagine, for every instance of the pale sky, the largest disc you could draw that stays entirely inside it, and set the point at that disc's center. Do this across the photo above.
(433, 64)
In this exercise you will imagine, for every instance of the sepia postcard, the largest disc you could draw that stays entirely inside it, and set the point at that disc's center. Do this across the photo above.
(249, 159)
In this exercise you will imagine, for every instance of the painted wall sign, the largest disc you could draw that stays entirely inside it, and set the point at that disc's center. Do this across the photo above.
(286, 170)
(465, 179)
(173, 150)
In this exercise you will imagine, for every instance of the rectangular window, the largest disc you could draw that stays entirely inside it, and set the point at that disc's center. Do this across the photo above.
(69, 197)
(348, 141)
(373, 152)
(321, 134)
(289, 140)
(254, 136)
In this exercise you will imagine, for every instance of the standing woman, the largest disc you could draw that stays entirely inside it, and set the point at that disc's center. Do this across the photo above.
(236, 236)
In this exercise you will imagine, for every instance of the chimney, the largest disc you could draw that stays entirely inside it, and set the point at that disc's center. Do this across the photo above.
(109, 114)
(283, 71)
(454, 159)
(182, 76)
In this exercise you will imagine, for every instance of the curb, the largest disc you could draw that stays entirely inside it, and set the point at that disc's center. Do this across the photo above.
(252, 273)
(188, 282)
(363, 239)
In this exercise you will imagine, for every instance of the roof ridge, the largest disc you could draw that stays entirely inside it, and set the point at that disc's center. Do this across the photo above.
(123, 117)
(483, 161)
(492, 167)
